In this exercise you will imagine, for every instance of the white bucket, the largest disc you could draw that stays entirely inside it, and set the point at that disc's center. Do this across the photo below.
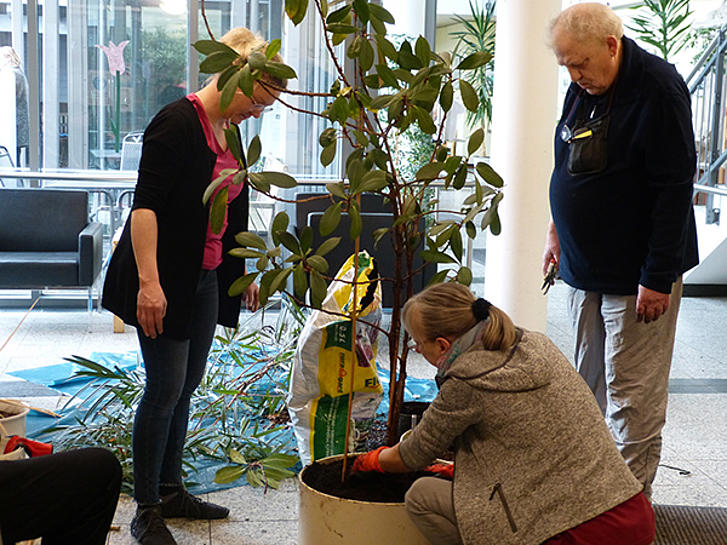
(15, 423)
(328, 520)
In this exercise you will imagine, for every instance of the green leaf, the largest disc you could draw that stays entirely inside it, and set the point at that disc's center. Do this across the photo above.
(361, 8)
(228, 474)
(256, 60)
(279, 70)
(469, 96)
(379, 233)
(290, 242)
(279, 280)
(366, 55)
(471, 230)
(246, 81)
(407, 60)
(262, 263)
(386, 47)
(381, 13)
(432, 256)
(328, 154)
(341, 28)
(338, 15)
(237, 457)
(318, 289)
(337, 189)
(306, 238)
(475, 141)
(217, 62)
(228, 91)
(295, 9)
(373, 181)
(214, 184)
(280, 223)
(475, 60)
(489, 175)
(460, 178)
(423, 51)
(425, 121)
(300, 281)
(355, 215)
(327, 136)
(455, 243)
(207, 47)
(438, 278)
(380, 102)
(245, 253)
(330, 219)
(446, 96)
(273, 48)
(318, 263)
(464, 276)
(240, 285)
(233, 143)
(324, 7)
(218, 210)
(253, 151)
(429, 171)
(279, 179)
(328, 245)
(250, 240)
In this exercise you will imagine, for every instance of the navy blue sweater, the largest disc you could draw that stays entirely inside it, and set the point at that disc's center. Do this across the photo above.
(633, 222)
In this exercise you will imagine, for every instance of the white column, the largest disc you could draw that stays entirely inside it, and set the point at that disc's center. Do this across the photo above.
(409, 16)
(524, 118)
(51, 38)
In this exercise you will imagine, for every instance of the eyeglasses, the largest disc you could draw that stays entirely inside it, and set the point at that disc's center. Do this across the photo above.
(258, 107)
(413, 345)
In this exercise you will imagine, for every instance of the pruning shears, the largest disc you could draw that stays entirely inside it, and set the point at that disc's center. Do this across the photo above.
(549, 278)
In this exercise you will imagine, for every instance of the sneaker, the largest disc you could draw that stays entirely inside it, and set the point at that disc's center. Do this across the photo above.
(184, 504)
(148, 528)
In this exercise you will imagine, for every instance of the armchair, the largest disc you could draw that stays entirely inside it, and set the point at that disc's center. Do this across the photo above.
(46, 240)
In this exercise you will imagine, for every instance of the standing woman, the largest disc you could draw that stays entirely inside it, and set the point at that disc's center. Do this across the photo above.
(534, 462)
(169, 277)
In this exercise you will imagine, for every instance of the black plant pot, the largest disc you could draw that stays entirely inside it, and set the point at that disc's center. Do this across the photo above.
(411, 414)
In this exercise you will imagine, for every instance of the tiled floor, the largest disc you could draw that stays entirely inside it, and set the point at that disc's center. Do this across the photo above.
(695, 438)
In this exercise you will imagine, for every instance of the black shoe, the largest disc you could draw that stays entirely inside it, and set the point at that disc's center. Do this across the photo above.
(148, 528)
(184, 504)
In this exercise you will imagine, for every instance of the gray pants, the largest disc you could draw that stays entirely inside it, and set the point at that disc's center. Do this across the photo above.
(431, 508)
(626, 364)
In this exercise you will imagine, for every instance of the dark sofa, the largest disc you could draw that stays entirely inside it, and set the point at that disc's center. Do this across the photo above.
(46, 240)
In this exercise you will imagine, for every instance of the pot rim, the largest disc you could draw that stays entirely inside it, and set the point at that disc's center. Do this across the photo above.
(17, 410)
(330, 460)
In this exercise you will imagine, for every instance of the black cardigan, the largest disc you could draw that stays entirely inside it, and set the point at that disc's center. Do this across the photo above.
(176, 166)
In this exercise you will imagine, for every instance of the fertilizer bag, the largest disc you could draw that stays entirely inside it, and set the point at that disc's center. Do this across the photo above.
(320, 382)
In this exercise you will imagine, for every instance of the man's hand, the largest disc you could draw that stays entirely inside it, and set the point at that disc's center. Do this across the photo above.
(551, 253)
(151, 307)
(252, 297)
(368, 462)
(650, 304)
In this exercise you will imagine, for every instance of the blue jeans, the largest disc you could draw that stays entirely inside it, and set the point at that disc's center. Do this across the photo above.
(174, 369)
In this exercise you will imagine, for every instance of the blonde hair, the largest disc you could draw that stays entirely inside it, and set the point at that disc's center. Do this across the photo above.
(588, 22)
(445, 310)
(245, 41)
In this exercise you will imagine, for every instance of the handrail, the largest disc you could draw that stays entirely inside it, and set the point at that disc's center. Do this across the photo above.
(707, 66)
(707, 53)
(701, 188)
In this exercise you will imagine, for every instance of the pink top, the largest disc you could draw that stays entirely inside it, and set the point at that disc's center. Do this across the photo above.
(213, 244)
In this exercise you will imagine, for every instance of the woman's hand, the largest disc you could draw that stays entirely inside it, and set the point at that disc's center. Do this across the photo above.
(151, 307)
(252, 297)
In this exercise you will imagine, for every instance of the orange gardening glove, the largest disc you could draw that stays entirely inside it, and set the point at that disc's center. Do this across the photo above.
(368, 462)
(442, 470)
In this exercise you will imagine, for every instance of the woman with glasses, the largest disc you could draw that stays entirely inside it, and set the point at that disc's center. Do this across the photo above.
(534, 462)
(169, 277)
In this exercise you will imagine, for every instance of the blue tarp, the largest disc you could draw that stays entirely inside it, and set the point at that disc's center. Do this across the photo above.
(61, 377)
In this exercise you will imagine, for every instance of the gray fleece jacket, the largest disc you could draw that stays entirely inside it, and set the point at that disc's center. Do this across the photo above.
(533, 456)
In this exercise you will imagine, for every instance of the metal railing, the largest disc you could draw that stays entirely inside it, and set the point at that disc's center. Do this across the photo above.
(706, 83)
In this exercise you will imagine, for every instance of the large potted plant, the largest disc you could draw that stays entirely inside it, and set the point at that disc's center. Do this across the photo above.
(389, 90)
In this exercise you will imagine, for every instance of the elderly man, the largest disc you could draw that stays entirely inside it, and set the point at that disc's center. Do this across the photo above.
(623, 227)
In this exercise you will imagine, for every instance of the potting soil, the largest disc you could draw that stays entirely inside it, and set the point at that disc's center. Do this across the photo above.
(370, 486)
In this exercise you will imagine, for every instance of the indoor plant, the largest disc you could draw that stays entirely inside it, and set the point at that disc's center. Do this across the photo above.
(408, 83)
